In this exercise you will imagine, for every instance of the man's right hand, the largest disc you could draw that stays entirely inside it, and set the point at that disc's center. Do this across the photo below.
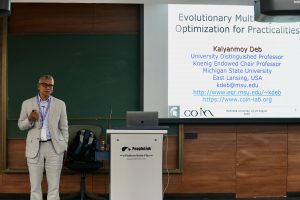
(34, 116)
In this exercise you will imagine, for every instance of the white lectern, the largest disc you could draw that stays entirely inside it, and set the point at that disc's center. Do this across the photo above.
(136, 164)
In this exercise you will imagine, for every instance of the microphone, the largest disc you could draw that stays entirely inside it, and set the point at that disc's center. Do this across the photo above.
(43, 109)
(109, 118)
(108, 127)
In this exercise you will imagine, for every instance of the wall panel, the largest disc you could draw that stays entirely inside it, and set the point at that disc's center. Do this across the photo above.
(209, 160)
(53, 18)
(261, 161)
(293, 175)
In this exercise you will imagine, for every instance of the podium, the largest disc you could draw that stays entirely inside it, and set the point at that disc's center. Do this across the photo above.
(136, 164)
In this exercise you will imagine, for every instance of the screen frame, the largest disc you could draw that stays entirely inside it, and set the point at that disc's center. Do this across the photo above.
(163, 120)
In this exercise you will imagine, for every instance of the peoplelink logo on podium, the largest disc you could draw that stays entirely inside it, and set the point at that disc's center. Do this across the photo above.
(136, 153)
(136, 148)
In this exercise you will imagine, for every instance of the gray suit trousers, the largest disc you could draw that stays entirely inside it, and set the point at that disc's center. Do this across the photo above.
(47, 159)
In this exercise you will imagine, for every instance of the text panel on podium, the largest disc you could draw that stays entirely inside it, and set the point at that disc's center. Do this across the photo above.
(136, 166)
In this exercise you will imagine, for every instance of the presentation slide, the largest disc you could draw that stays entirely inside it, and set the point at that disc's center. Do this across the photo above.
(223, 64)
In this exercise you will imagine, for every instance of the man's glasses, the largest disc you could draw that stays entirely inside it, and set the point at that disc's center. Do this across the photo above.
(46, 85)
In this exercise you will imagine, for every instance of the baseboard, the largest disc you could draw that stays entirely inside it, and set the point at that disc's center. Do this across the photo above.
(293, 194)
(14, 196)
(196, 196)
(200, 195)
(214, 196)
(27, 196)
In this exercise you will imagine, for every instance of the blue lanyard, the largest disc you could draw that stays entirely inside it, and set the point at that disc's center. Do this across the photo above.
(43, 115)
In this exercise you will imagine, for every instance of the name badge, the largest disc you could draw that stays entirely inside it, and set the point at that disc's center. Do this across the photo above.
(43, 134)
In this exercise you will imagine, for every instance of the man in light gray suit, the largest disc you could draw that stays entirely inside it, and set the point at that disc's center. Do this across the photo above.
(45, 118)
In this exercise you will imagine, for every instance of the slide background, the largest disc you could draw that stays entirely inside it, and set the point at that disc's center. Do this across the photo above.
(184, 77)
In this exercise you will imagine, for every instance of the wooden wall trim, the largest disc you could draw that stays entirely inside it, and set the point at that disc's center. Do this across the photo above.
(3, 90)
(72, 18)
(1, 94)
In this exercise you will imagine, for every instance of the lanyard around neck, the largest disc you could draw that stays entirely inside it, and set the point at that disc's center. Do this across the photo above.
(43, 114)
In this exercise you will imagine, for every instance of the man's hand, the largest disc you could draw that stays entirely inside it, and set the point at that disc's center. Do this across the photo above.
(34, 116)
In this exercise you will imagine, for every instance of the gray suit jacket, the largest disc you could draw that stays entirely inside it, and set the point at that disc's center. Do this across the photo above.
(57, 123)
